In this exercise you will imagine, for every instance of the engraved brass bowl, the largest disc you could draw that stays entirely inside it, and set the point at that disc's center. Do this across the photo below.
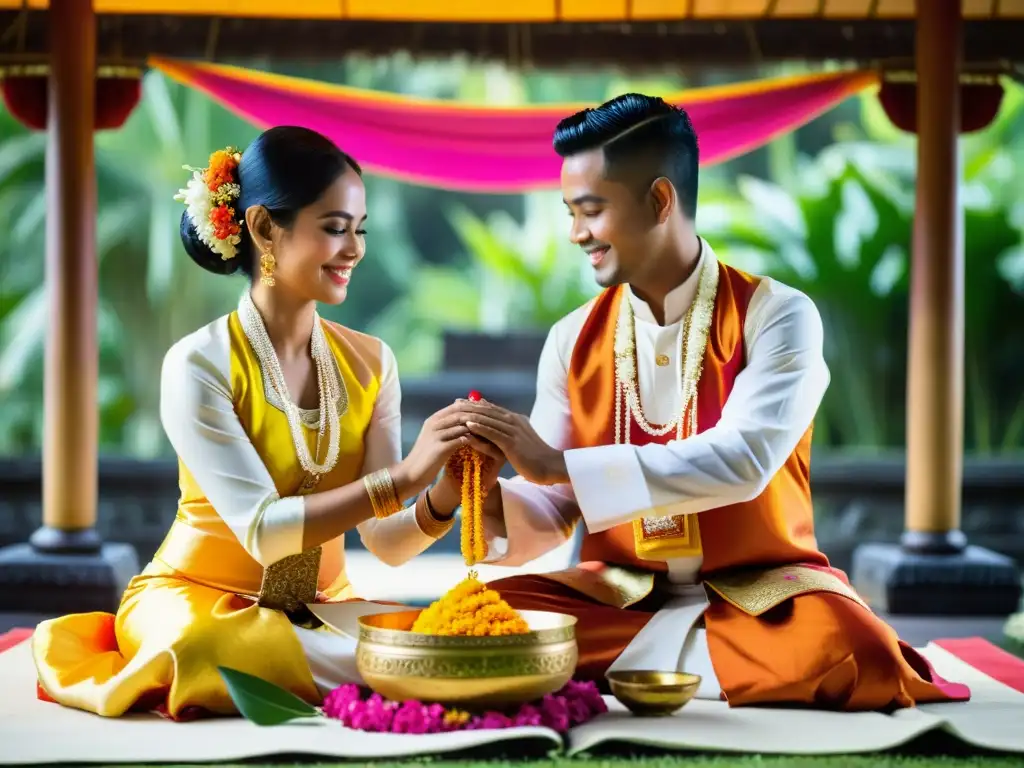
(653, 694)
(467, 672)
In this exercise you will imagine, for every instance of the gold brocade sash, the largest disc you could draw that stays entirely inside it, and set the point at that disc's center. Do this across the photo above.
(290, 583)
(611, 585)
(753, 591)
(667, 538)
(757, 591)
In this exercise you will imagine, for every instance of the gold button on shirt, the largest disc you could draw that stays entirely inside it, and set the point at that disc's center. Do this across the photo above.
(662, 360)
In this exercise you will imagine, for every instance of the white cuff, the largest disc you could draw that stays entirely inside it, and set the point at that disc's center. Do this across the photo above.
(609, 484)
(532, 525)
(276, 531)
(394, 540)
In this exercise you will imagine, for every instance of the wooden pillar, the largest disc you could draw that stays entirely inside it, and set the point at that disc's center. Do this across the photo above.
(935, 387)
(71, 437)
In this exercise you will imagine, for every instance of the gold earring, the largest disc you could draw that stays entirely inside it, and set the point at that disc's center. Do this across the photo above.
(267, 264)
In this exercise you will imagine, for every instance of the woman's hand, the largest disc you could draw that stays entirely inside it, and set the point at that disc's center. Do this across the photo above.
(447, 494)
(442, 434)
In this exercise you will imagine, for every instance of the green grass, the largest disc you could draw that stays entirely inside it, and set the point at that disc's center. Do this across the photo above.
(695, 761)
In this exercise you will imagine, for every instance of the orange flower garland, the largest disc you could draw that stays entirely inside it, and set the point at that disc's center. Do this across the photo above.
(222, 180)
(467, 466)
(470, 609)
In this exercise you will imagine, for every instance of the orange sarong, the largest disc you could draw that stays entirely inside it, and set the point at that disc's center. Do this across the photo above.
(818, 649)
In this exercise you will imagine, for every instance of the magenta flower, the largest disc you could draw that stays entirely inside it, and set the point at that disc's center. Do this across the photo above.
(576, 703)
(527, 715)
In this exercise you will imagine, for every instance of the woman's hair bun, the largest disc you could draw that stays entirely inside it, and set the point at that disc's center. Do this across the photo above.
(202, 254)
(285, 169)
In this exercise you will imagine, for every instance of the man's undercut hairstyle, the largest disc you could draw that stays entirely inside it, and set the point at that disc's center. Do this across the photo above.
(642, 137)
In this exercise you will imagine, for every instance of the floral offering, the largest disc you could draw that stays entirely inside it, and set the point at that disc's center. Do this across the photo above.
(575, 704)
(466, 466)
(471, 609)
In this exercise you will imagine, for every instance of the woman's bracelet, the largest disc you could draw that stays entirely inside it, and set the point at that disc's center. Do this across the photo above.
(383, 497)
(428, 520)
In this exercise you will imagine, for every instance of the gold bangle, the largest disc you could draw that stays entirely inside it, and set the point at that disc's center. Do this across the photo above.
(383, 496)
(372, 483)
(428, 521)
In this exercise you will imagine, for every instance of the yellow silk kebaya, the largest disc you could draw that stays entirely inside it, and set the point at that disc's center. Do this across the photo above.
(185, 614)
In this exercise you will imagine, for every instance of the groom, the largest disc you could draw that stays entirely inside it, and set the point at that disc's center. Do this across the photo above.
(673, 417)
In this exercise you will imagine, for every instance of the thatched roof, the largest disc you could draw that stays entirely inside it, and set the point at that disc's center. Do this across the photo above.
(542, 10)
(771, 36)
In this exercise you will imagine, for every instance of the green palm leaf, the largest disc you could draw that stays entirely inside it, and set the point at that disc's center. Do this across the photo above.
(264, 703)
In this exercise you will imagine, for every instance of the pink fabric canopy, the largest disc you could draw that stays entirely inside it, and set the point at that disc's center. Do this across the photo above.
(497, 149)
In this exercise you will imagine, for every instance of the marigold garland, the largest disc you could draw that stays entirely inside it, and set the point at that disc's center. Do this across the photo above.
(210, 197)
(467, 466)
(470, 609)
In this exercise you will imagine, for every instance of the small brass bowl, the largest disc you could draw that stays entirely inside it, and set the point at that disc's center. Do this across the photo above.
(653, 694)
(467, 672)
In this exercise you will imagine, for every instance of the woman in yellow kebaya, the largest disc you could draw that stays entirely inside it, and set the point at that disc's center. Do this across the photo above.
(287, 429)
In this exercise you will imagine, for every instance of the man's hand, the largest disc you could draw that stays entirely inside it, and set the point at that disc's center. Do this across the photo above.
(515, 437)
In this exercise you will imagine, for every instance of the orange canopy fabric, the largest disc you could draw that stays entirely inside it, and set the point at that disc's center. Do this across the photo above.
(538, 10)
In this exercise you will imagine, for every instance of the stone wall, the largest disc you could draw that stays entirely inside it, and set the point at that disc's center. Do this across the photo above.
(856, 500)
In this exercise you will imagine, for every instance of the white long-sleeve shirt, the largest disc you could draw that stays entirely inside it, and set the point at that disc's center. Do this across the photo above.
(198, 414)
(771, 405)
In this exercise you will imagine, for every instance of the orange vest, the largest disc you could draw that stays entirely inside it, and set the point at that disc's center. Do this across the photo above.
(774, 529)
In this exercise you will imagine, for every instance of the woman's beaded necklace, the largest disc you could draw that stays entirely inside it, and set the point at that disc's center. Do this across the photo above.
(328, 384)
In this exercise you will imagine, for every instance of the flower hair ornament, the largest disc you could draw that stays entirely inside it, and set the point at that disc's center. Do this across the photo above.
(210, 197)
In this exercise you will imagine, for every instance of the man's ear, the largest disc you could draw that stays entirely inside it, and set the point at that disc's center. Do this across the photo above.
(261, 228)
(663, 199)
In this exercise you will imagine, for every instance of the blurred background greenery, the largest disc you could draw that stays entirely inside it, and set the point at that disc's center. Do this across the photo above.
(827, 209)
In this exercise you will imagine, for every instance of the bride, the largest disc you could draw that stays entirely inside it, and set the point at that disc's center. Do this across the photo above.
(287, 430)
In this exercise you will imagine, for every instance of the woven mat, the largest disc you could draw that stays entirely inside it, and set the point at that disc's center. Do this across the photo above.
(35, 732)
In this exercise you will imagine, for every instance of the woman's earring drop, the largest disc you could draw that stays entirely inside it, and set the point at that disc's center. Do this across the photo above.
(267, 265)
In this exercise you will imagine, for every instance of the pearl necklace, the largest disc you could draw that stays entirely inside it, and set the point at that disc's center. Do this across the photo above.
(328, 384)
(692, 341)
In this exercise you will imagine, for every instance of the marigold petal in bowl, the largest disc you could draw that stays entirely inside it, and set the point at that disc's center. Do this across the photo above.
(472, 672)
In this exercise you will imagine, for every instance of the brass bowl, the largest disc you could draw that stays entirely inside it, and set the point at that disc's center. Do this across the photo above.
(653, 694)
(468, 672)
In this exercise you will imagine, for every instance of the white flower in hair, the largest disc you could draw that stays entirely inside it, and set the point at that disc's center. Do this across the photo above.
(200, 205)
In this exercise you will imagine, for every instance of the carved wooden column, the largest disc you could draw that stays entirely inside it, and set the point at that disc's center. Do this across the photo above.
(935, 369)
(933, 571)
(71, 436)
(66, 566)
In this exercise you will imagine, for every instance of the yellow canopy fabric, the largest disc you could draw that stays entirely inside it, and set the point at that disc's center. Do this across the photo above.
(539, 10)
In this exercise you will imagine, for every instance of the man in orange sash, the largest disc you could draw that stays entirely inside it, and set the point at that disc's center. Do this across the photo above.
(673, 416)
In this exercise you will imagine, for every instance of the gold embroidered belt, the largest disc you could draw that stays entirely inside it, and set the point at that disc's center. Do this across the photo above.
(291, 583)
(753, 591)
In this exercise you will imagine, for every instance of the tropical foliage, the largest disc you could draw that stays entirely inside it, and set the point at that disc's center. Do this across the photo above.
(829, 210)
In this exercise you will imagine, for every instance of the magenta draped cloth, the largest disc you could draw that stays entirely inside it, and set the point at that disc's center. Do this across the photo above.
(497, 149)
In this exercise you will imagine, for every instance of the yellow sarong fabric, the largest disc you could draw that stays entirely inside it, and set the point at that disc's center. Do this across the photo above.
(185, 615)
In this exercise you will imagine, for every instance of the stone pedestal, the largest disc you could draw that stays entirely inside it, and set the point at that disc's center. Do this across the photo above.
(973, 581)
(34, 581)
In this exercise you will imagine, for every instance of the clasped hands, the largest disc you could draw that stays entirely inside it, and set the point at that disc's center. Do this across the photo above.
(497, 433)
(493, 427)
